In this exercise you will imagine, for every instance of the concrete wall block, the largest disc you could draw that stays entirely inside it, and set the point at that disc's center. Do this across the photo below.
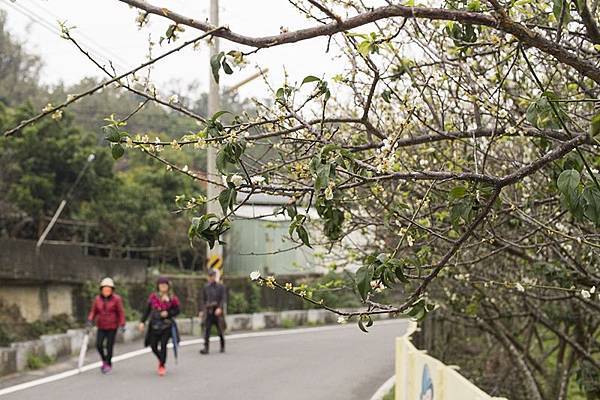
(314, 316)
(298, 316)
(131, 333)
(8, 361)
(185, 326)
(239, 322)
(76, 337)
(257, 321)
(328, 317)
(272, 319)
(57, 345)
(25, 349)
(196, 327)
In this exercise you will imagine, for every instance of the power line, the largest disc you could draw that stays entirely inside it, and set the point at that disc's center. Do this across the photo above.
(34, 17)
(84, 35)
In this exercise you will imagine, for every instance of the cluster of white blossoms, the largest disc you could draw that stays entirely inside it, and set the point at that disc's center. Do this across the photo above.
(378, 287)
(141, 19)
(200, 144)
(386, 158)
(175, 145)
(158, 147)
(587, 294)
(519, 287)
(257, 179)
(57, 115)
(342, 320)
(235, 179)
(255, 275)
(173, 99)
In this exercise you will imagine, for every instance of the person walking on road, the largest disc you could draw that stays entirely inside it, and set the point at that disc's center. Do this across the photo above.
(160, 312)
(108, 314)
(213, 296)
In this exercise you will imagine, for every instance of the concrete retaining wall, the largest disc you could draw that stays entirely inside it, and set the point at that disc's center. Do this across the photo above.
(14, 359)
(62, 264)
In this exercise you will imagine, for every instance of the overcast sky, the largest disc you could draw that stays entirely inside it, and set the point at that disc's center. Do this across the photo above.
(107, 28)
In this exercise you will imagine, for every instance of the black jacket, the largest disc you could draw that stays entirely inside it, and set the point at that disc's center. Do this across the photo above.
(213, 296)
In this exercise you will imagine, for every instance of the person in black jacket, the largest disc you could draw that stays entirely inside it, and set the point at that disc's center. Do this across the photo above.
(161, 310)
(213, 296)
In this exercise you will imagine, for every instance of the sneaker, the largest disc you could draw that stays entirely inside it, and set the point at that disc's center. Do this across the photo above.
(104, 367)
(108, 369)
(162, 370)
(204, 351)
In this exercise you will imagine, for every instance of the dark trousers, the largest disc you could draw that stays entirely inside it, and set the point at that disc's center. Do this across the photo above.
(106, 336)
(158, 343)
(210, 320)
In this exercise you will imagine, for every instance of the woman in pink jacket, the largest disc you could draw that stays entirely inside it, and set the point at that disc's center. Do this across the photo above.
(108, 314)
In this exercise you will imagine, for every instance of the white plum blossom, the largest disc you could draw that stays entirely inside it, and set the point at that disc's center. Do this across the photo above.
(255, 275)
(342, 320)
(519, 287)
(173, 99)
(257, 179)
(593, 289)
(236, 179)
(585, 294)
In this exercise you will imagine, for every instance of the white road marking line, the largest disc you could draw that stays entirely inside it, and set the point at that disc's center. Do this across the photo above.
(131, 354)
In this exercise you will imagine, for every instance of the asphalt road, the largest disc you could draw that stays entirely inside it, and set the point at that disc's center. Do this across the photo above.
(338, 362)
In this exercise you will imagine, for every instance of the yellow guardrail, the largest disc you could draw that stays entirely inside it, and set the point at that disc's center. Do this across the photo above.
(422, 377)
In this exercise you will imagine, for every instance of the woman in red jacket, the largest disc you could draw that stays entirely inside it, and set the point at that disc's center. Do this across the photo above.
(108, 313)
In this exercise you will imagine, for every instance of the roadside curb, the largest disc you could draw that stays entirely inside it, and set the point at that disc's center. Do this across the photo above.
(384, 388)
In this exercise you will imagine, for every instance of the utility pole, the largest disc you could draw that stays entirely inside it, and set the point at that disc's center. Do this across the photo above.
(212, 190)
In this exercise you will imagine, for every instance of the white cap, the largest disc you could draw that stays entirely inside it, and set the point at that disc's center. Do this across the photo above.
(107, 282)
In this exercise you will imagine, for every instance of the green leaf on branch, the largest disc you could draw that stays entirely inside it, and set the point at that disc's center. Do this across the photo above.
(114, 135)
(541, 114)
(215, 65)
(591, 208)
(322, 179)
(557, 10)
(361, 322)
(309, 79)
(229, 155)
(458, 192)
(227, 199)
(297, 226)
(117, 151)
(226, 68)
(595, 125)
(461, 211)
(387, 95)
(568, 181)
(420, 309)
(364, 276)
(209, 228)
(303, 235)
